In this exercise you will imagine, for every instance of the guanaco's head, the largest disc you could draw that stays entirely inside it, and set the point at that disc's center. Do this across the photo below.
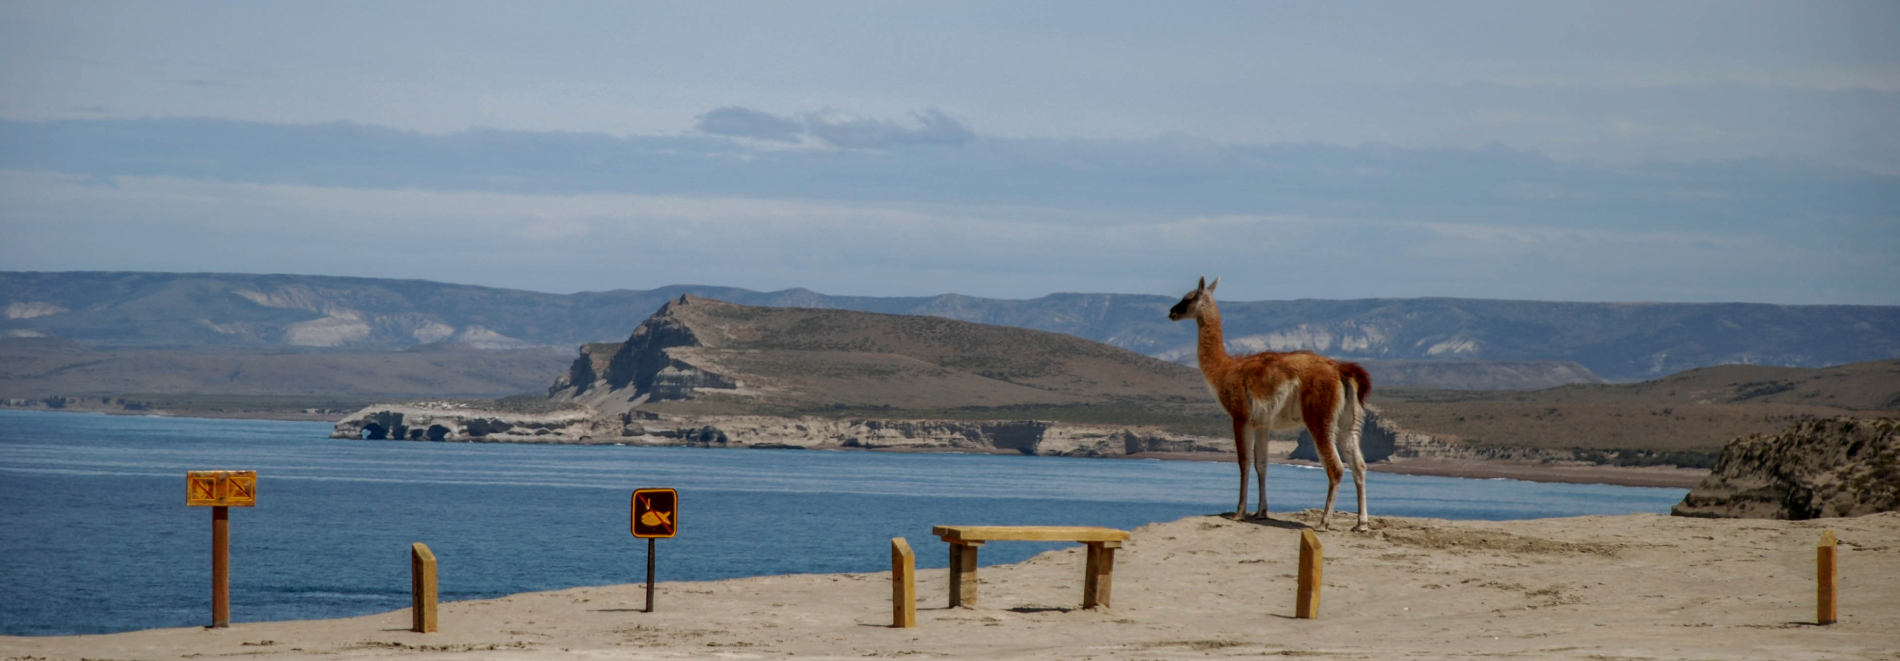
(1190, 305)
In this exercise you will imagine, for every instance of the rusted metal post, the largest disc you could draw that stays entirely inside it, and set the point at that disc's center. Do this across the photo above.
(422, 588)
(650, 547)
(903, 584)
(1827, 581)
(1311, 553)
(220, 567)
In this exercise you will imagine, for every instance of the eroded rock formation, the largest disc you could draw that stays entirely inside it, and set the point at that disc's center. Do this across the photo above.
(1818, 468)
(640, 369)
(447, 421)
(426, 422)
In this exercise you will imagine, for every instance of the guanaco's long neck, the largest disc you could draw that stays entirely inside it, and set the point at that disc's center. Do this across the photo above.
(1212, 348)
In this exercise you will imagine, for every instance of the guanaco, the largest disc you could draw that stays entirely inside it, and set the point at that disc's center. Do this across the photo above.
(1275, 391)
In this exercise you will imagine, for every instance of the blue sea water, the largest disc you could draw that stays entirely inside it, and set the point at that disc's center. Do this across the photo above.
(96, 537)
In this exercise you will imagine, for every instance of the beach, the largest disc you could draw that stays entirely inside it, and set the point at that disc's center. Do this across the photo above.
(1600, 587)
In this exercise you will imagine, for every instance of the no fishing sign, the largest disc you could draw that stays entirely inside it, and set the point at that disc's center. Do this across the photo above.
(656, 515)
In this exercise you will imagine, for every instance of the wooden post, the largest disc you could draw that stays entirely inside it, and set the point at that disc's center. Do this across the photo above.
(1098, 577)
(422, 588)
(1827, 582)
(1307, 606)
(903, 584)
(220, 567)
(963, 573)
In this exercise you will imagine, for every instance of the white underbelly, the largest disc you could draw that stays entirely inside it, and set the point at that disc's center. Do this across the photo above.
(1283, 408)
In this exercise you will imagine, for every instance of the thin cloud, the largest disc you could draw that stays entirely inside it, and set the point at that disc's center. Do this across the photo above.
(850, 132)
(737, 122)
(836, 129)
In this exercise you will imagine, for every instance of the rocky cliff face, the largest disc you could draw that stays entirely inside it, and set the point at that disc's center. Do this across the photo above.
(443, 421)
(1818, 468)
(454, 421)
(641, 369)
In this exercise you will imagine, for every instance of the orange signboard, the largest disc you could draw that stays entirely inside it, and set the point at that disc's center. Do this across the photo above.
(655, 512)
(221, 489)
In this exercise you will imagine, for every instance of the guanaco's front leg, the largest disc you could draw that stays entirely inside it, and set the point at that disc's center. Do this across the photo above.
(1240, 450)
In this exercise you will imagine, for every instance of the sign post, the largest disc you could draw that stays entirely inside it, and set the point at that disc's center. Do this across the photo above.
(221, 490)
(655, 515)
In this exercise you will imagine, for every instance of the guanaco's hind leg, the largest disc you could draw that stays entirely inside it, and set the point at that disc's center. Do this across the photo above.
(1261, 434)
(1354, 424)
(1323, 440)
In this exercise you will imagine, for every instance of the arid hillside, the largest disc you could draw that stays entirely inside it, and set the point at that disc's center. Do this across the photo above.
(36, 368)
(699, 356)
(1682, 417)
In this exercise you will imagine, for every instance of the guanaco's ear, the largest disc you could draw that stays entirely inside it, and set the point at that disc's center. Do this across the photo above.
(1203, 284)
(1210, 288)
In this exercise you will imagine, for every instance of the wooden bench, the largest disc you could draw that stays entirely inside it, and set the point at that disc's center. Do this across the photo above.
(1097, 577)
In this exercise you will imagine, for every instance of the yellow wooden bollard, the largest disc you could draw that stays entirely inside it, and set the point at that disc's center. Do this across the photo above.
(1307, 606)
(1827, 582)
(903, 584)
(422, 587)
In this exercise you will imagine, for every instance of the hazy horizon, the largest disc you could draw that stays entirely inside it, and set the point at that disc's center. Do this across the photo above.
(792, 288)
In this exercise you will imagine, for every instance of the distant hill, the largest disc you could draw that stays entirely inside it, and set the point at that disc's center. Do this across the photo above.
(42, 367)
(1478, 374)
(1617, 341)
(1697, 411)
(699, 356)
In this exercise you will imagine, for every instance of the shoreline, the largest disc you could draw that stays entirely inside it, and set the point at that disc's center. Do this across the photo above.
(1627, 476)
(1592, 587)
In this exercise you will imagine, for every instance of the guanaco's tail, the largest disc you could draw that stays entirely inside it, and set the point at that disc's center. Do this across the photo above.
(1359, 378)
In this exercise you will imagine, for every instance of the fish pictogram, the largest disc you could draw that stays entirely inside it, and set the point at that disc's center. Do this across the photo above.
(655, 521)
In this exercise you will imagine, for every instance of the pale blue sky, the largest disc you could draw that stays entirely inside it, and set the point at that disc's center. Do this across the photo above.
(1689, 151)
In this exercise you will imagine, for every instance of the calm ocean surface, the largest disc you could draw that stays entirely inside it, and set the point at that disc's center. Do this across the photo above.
(96, 537)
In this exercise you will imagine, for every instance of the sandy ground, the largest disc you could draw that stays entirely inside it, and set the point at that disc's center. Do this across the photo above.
(1620, 587)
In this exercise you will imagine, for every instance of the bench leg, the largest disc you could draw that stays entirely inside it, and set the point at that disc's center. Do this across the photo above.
(963, 574)
(1098, 578)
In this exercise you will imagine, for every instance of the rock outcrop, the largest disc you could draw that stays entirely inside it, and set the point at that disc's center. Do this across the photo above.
(641, 369)
(455, 421)
(1818, 468)
(445, 421)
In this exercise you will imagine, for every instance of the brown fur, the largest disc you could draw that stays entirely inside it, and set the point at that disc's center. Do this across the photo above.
(1248, 386)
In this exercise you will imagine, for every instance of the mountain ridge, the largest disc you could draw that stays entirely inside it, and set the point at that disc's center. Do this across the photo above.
(1618, 341)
